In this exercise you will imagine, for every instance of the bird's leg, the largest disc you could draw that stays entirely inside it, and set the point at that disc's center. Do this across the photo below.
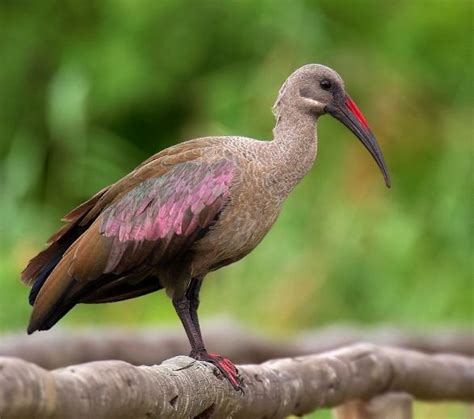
(186, 308)
(183, 308)
(193, 296)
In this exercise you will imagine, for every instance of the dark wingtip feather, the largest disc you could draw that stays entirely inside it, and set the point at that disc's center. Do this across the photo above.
(45, 261)
(40, 279)
(33, 269)
(52, 297)
(31, 329)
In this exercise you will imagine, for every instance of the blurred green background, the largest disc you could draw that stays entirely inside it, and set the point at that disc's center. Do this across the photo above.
(89, 89)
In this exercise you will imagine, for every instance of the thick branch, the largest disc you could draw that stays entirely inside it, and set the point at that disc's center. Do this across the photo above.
(182, 387)
(150, 346)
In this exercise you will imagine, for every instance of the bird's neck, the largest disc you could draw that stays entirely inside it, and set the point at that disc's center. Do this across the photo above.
(295, 144)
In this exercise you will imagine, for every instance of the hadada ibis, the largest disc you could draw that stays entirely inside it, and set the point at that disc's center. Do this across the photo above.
(189, 210)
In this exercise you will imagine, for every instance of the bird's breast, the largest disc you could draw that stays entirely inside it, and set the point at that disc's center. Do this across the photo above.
(244, 222)
(261, 185)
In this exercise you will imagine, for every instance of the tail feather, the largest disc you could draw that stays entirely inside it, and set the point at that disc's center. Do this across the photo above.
(51, 296)
(50, 321)
(57, 289)
(40, 267)
(67, 277)
(41, 263)
(42, 276)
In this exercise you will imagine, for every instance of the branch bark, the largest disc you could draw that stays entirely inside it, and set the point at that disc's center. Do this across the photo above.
(59, 348)
(182, 387)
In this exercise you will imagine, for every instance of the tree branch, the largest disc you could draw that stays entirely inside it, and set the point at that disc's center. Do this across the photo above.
(59, 348)
(182, 387)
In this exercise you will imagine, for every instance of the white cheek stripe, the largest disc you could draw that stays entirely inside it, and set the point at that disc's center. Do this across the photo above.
(313, 102)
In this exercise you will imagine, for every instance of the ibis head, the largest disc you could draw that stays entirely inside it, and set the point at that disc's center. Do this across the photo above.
(319, 90)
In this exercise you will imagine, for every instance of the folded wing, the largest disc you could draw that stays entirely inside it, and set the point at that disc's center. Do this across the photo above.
(154, 222)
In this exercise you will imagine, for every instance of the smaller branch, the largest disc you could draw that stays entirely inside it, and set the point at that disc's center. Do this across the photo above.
(184, 387)
(59, 348)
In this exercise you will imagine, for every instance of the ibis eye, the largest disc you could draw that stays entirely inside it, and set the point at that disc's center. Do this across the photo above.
(325, 84)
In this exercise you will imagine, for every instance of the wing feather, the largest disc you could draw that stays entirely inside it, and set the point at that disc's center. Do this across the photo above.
(153, 223)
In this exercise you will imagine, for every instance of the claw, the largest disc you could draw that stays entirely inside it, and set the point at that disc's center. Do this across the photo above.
(225, 366)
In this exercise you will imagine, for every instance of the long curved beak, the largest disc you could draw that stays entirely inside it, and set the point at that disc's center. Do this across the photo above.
(346, 111)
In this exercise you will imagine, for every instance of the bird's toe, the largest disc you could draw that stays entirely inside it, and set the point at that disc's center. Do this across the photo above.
(224, 365)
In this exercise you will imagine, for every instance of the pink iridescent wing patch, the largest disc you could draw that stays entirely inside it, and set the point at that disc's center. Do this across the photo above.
(184, 199)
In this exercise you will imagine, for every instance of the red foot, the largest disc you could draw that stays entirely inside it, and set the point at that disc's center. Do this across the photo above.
(224, 365)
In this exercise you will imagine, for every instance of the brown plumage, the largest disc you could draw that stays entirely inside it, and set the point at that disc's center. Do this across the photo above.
(188, 210)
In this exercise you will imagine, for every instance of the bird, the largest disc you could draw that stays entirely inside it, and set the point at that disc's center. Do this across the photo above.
(188, 210)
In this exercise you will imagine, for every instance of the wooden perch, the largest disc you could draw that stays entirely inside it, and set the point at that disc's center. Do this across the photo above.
(182, 387)
(59, 348)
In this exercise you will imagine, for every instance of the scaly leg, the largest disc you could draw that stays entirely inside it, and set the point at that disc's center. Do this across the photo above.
(193, 296)
(187, 312)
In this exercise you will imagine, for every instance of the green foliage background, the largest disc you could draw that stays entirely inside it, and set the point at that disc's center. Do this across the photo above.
(89, 89)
